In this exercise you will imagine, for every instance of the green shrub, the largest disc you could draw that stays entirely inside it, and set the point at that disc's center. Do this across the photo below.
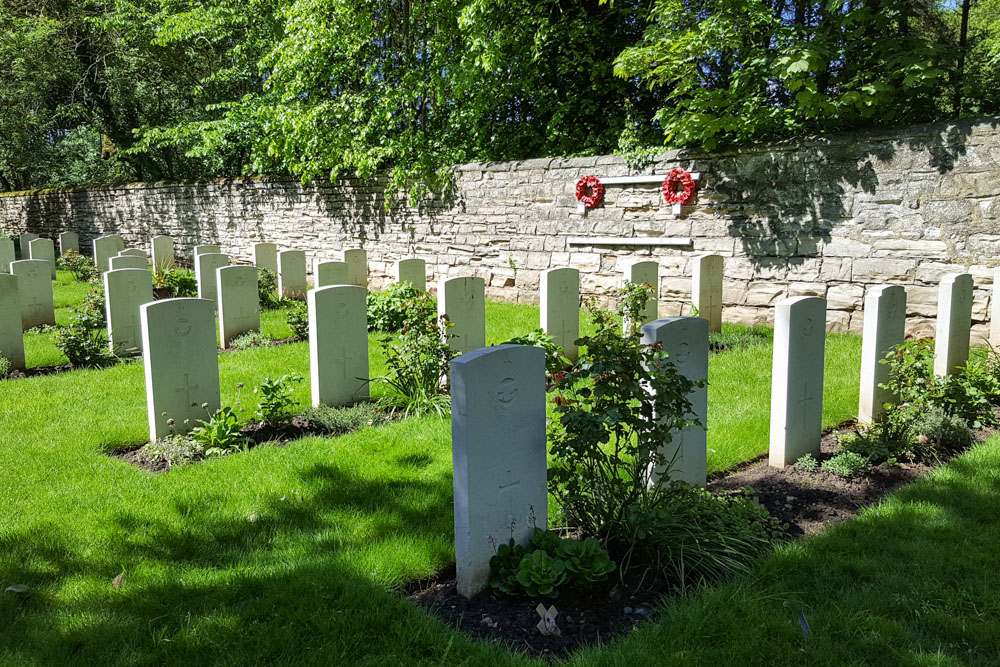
(275, 405)
(267, 289)
(298, 319)
(182, 282)
(936, 429)
(251, 339)
(220, 434)
(417, 360)
(846, 464)
(554, 359)
(807, 462)
(549, 566)
(5, 367)
(82, 268)
(84, 346)
(92, 313)
(346, 419)
(385, 309)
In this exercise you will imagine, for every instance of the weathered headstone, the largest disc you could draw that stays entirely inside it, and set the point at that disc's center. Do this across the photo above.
(106, 247)
(954, 323)
(685, 340)
(560, 307)
(11, 331)
(69, 241)
(292, 274)
(125, 291)
(797, 379)
(414, 270)
(498, 455)
(357, 266)
(338, 344)
(45, 250)
(205, 266)
(239, 302)
(463, 300)
(128, 262)
(706, 289)
(265, 256)
(206, 249)
(133, 252)
(34, 288)
(331, 273)
(884, 329)
(646, 272)
(162, 248)
(24, 241)
(6, 254)
(181, 364)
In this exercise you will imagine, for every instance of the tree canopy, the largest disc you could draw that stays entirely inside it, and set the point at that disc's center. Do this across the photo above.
(98, 91)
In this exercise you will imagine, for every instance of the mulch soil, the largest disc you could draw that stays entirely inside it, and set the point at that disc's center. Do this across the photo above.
(805, 500)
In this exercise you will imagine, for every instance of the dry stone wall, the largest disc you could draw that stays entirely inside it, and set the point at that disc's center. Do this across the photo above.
(827, 217)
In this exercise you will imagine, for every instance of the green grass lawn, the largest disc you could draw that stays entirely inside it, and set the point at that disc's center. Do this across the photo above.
(293, 555)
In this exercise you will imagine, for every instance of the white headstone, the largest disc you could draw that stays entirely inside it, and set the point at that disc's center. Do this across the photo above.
(560, 307)
(498, 455)
(44, 249)
(239, 302)
(265, 256)
(125, 291)
(207, 249)
(706, 289)
(646, 272)
(106, 247)
(69, 241)
(162, 248)
(357, 266)
(685, 340)
(133, 252)
(338, 344)
(292, 274)
(954, 323)
(463, 300)
(331, 273)
(797, 379)
(181, 364)
(205, 266)
(24, 241)
(6, 254)
(414, 270)
(128, 262)
(11, 332)
(34, 288)
(884, 329)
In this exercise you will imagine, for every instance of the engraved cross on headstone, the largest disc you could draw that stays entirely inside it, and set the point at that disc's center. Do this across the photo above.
(188, 388)
(505, 489)
(803, 403)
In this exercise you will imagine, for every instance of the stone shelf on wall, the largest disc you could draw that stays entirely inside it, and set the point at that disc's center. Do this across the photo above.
(680, 241)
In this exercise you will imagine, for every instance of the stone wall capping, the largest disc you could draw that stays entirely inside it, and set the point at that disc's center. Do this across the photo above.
(676, 241)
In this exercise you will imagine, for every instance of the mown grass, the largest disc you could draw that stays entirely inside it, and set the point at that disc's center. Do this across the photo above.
(293, 555)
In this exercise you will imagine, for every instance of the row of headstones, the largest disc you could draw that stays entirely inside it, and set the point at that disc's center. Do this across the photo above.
(498, 409)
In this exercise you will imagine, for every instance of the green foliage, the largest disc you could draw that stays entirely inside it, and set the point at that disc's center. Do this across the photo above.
(807, 462)
(345, 419)
(632, 299)
(174, 450)
(250, 340)
(267, 289)
(549, 565)
(182, 282)
(604, 439)
(937, 430)
(85, 341)
(385, 309)
(417, 360)
(275, 404)
(739, 339)
(220, 434)
(5, 366)
(555, 361)
(846, 464)
(82, 268)
(298, 319)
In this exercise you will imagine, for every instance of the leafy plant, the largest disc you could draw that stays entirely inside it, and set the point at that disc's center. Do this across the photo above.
(298, 319)
(418, 360)
(555, 361)
(82, 268)
(275, 405)
(846, 464)
(385, 309)
(345, 419)
(84, 345)
(5, 366)
(586, 560)
(540, 574)
(182, 282)
(251, 339)
(937, 430)
(807, 462)
(549, 565)
(174, 450)
(220, 434)
(267, 289)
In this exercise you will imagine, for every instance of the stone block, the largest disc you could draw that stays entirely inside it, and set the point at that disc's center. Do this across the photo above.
(882, 270)
(845, 297)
